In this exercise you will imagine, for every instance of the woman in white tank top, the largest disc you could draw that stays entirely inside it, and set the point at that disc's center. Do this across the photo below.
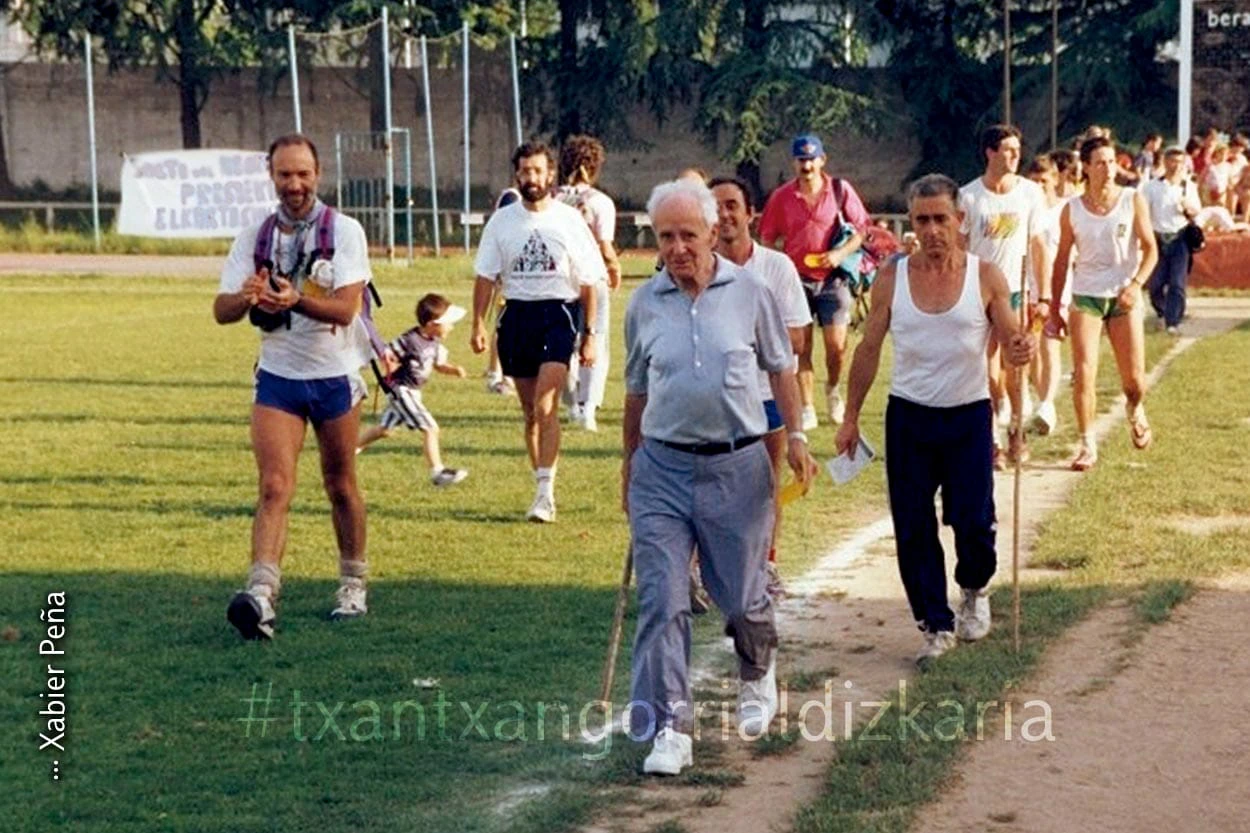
(1109, 226)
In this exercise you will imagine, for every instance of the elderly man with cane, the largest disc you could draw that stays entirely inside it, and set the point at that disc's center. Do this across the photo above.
(695, 472)
(939, 306)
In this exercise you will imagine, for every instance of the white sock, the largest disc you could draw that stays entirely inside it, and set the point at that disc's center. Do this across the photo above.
(546, 479)
(1089, 440)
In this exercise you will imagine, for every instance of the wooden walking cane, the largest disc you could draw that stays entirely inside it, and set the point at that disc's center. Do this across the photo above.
(1017, 422)
(618, 621)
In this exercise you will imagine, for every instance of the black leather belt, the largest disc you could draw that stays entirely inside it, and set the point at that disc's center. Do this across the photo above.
(709, 449)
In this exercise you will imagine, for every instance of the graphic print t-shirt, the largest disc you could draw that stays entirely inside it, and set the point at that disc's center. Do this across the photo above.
(539, 255)
(999, 225)
(417, 357)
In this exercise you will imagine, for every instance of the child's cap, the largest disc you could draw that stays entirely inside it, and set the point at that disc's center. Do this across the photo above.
(451, 315)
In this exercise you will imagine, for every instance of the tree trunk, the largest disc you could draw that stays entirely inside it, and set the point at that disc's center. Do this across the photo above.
(375, 66)
(569, 121)
(6, 184)
(189, 80)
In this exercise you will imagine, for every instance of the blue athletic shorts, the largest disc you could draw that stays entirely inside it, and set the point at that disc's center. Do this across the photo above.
(316, 400)
(829, 300)
(773, 413)
(533, 333)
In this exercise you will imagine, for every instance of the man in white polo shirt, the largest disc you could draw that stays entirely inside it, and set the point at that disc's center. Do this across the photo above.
(549, 264)
(735, 210)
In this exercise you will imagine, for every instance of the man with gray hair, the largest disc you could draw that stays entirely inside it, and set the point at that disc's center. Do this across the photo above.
(939, 307)
(695, 471)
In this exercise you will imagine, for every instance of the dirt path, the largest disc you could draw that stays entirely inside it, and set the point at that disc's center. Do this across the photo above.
(847, 637)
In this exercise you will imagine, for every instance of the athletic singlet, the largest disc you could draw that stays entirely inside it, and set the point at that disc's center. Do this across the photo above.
(939, 358)
(1106, 248)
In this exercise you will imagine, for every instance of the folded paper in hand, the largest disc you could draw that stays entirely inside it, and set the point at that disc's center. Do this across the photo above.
(843, 468)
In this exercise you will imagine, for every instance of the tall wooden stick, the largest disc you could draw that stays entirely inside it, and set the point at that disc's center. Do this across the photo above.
(1017, 424)
(618, 621)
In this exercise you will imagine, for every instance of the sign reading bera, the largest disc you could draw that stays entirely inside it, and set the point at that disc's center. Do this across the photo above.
(1221, 55)
(194, 193)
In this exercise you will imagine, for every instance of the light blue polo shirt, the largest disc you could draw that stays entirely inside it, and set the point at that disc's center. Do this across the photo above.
(697, 359)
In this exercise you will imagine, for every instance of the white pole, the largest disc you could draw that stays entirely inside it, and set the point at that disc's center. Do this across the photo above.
(429, 142)
(516, 90)
(524, 32)
(95, 179)
(1185, 74)
(290, 48)
(464, 36)
(388, 201)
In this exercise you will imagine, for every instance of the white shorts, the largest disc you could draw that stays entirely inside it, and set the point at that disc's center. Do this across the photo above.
(404, 407)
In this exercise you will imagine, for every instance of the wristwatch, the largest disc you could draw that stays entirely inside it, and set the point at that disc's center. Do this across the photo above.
(590, 331)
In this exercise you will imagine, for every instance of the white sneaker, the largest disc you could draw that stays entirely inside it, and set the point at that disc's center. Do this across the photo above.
(972, 622)
(935, 644)
(1046, 419)
(350, 599)
(757, 702)
(589, 423)
(251, 613)
(446, 476)
(543, 510)
(575, 414)
(837, 408)
(809, 418)
(670, 754)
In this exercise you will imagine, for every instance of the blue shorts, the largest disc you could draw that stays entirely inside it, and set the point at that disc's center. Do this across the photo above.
(773, 413)
(830, 301)
(316, 400)
(533, 333)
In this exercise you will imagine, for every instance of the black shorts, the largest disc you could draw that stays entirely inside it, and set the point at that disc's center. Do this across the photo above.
(533, 333)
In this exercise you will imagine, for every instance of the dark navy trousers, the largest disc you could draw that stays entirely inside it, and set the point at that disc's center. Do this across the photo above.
(1167, 284)
(927, 449)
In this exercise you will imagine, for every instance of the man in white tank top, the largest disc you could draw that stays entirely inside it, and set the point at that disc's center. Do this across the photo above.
(940, 307)
(1003, 222)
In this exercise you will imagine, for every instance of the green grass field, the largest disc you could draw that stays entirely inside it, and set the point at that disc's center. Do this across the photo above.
(128, 485)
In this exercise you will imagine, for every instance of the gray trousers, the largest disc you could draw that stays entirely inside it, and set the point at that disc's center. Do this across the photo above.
(722, 503)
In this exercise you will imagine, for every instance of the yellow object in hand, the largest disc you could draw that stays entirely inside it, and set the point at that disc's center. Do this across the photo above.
(813, 260)
(794, 490)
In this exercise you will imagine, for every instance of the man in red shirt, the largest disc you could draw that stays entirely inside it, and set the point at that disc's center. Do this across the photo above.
(818, 222)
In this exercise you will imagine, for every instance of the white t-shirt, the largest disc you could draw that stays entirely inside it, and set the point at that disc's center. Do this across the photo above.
(1167, 204)
(310, 349)
(782, 279)
(539, 255)
(595, 206)
(999, 225)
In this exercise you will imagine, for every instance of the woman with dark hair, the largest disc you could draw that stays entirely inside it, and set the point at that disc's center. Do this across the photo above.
(1109, 226)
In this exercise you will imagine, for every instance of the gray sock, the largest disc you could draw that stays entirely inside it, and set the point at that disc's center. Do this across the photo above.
(353, 568)
(266, 578)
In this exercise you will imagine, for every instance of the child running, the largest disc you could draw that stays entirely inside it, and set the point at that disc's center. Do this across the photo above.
(411, 360)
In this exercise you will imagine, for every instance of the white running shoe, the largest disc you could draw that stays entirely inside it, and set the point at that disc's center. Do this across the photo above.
(809, 418)
(251, 613)
(446, 476)
(757, 702)
(1045, 419)
(670, 754)
(589, 423)
(350, 599)
(543, 510)
(575, 414)
(837, 408)
(936, 643)
(972, 622)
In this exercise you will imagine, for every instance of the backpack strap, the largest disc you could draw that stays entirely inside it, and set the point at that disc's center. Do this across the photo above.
(262, 254)
(324, 248)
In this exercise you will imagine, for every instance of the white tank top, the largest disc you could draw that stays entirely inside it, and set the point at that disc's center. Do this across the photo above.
(939, 358)
(1106, 248)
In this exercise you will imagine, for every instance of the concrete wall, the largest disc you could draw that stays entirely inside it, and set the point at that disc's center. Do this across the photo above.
(43, 113)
